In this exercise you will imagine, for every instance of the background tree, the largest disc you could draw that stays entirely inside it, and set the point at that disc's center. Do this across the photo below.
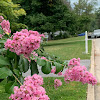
(85, 16)
(47, 16)
(97, 18)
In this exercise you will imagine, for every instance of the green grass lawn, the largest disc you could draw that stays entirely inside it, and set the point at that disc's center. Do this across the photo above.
(69, 48)
(71, 91)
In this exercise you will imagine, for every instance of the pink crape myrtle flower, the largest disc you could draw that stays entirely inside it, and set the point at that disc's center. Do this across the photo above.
(5, 30)
(57, 83)
(60, 73)
(34, 54)
(53, 70)
(24, 42)
(74, 62)
(30, 90)
(1, 36)
(42, 35)
(44, 58)
(1, 18)
(5, 26)
(79, 73)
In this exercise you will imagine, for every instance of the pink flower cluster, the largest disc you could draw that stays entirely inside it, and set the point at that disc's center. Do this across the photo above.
(44, 58)
(57, 83)
(1, 35)
(5, 25)
(79, 73)
(53, 70)
(34, 55)
(30, 90)
(24, 42)
(74, 62)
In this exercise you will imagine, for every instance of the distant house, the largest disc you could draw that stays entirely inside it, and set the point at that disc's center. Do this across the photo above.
(48, 36)
(58, 32)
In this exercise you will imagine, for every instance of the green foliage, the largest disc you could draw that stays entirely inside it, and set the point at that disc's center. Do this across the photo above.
(65, 63)
(59, 67)
(21, 79)
(97, 18)
(46, 69)
(84, 21)
(84, 14)
(9, 87)
(47, 16)
(25, 65)
(84, 7)
(4, 60)
(4, 72)
(17, 72)
(1, 31)
(34, 68)
(18, 26)
(41, 62)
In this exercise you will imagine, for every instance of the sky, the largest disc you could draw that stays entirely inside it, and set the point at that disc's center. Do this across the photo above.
(97, 6)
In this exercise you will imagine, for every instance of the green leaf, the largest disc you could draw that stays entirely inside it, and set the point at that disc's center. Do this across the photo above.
(2, 50)
(47, 68)
(20, 67)
(0, 27)
(20, 60)
(11, 54)
(1, 66)
(4, 60)
(10, 86)
(41, 62)
(1, 45)
(33, 67)
(10, 78)
(1, 31)
(16, 72)
(65, 63)
(53, 64)
(2, 41)
(21, 79)
(4, 72)
(25, 65)
(49, 58)
(59, 67)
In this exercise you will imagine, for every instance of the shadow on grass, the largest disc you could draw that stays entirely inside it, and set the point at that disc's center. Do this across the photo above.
(68, 43)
